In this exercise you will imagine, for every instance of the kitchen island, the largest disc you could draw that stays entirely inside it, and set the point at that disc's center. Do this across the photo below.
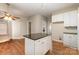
(37, 44)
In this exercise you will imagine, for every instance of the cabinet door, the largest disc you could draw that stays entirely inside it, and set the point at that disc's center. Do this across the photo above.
(66, 40)
(38, 47)
(60, 17)
(50, 43)
(66, 19)
(70, 18)
(70, 40)
(57, 18)
(29, 46)
(73, 41)
(73, 18)
(45, 45)
(54, 18)
(42, 45)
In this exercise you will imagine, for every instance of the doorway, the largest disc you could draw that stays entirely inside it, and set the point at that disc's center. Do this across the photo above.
(29, 28)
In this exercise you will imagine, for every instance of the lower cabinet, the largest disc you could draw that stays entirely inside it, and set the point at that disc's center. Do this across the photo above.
(29, 46)
(70, 40)
(42, 45)
(38, 47)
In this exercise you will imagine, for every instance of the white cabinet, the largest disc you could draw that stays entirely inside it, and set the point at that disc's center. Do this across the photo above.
(66, 19)
(42, 45)
(70, 18)
(29, 46)
(38, 47)
(57, 18)
(73, 17)
(70, 40)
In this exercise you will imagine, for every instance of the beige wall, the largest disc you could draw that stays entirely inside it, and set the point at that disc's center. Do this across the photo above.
(37, 23)
(49, 26)
(57, 31)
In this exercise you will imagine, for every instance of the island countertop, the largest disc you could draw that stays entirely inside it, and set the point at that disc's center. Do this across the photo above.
(36, 36)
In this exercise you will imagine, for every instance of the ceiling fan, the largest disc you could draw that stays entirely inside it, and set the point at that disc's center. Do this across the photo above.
(7, 15)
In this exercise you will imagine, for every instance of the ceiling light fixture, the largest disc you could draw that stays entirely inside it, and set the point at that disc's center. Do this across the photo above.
(8, 16)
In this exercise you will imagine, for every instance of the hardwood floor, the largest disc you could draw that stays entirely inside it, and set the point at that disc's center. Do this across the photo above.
(16, 47)
(12, 47)
(60, 49)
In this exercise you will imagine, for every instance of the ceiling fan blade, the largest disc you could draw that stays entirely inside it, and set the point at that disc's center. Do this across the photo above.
(15, 17)
(1, 17)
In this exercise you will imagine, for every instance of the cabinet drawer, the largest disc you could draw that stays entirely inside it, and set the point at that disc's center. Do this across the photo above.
(40, 41)
(42, 45)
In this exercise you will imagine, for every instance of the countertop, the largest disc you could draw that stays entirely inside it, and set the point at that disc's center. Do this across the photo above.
(36, 36)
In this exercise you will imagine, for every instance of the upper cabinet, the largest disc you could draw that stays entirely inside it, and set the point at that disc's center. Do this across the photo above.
(57, 18)
(70, 18)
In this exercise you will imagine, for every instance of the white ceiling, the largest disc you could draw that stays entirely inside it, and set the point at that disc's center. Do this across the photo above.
(45, 9)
